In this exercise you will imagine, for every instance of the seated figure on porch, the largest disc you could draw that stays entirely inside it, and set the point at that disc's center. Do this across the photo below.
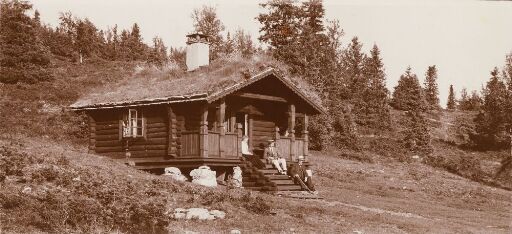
(302, 175)
(245, 146)
(271, 155)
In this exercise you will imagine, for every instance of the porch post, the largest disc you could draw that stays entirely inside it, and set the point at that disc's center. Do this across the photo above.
(305, 136)
(239, 140)
(251, 140)
(203, 133)
(291, 126)
(222, 130)
(92, 133)
(172, 146)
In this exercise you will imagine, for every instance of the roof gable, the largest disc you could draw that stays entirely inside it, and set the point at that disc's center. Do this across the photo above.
(207, 84)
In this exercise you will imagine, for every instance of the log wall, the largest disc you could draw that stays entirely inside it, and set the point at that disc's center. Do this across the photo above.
(263, 130)
(108, 138)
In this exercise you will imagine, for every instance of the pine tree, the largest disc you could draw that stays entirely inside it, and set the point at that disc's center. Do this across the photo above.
(408, 94)
(491, 123)
(417, 134)
(158, 53)
(243, 43)
(475, 101)
(206, 21)
(353, 64)
(451, 104)
(23, 58)
(137, 49)
(431, 90)
(229, 44)
(464, 101)
(376, 99)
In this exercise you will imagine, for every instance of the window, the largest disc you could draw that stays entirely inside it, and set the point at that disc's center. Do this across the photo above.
(133, 124)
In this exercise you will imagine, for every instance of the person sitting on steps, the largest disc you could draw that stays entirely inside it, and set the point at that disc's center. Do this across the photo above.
(272, 156)
(302, 175)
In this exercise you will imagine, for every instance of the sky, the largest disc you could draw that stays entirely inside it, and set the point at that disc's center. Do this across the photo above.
(465, 39)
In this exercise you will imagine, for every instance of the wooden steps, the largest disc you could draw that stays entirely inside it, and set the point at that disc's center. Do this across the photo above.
(266, 179)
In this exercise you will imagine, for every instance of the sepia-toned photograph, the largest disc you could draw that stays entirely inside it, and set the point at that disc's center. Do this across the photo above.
(255, 116)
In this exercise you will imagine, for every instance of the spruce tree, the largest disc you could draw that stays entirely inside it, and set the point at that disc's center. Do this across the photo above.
(376, 94)
(451, 104)
(492, 122)
(464, 101)
(158, 53)
(353, 65)
(408, 94)
(431, 90)
(23, 58)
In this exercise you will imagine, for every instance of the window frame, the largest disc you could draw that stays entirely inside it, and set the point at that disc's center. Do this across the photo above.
(133, 124)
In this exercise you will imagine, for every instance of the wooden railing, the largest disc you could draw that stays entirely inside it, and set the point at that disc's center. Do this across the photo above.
(290, 149)
(219, 146)
(189, 144)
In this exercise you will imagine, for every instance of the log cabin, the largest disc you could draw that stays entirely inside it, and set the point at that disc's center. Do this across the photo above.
(199, 118)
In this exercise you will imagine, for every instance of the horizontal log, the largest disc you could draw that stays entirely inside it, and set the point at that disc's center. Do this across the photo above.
(153, 130)
(151, 120)
(107, 131)
(264, 128)
(157, 135)
(107, 122)
(265, 124)
(156, 125)
(107, 126)
(138, 154)
(109, 143)
(150, 141)
(107, 137)
(146, 147)
(258, 133)
(109, 149)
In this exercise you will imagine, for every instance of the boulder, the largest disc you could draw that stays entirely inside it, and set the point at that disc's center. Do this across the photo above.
(218, 214)
(199, 213)
(204, 176)
(236, 180)
(174, 173)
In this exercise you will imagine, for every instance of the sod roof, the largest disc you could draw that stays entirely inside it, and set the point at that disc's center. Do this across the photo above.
(222, 77)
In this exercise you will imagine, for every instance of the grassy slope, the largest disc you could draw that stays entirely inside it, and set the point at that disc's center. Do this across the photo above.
(374, 192)
(368, 197)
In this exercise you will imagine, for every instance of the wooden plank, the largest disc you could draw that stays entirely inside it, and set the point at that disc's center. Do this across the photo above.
(263, 128)
(146, 147)
(107, 127)
(116, 121)
(263, 123)
(153, 130)
(261, 97)
(153, 120)
(107, 131)
(156, 135)
(156, 125)
(109, 149)
(109, 143)
(107, 137)
(150, 141)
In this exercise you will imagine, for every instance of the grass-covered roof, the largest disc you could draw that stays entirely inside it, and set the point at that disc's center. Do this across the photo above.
(150, 86)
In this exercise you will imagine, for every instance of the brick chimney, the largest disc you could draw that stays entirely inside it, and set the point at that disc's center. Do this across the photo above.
(198, 51)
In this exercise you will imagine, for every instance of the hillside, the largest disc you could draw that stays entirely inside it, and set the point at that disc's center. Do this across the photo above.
(58, 188)
(49, 183)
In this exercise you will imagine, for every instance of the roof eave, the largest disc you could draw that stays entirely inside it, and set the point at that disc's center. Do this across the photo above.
(145, 102)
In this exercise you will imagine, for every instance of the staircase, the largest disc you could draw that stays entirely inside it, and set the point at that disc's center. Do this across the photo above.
(266, 179)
